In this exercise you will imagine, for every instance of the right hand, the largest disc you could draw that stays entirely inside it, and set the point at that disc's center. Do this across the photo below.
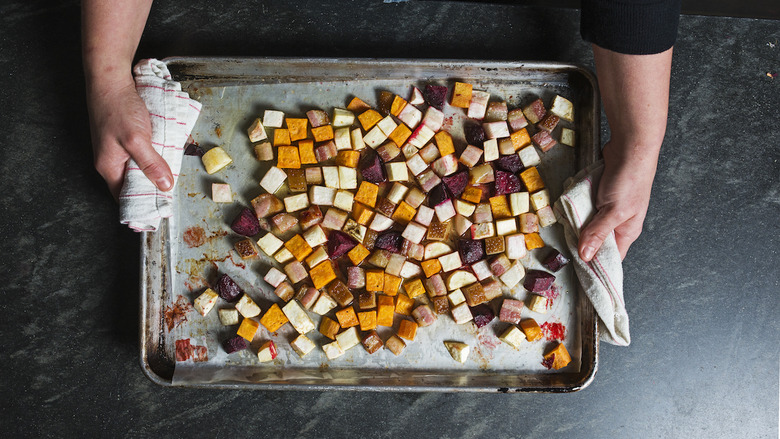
(121, 130)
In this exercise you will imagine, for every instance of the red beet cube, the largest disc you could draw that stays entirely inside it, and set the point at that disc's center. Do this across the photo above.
(193, 149)
(246, 223)
(457, 182)
(471, 250)
(537, 280)
(435, 95)
(482, 315)
(439, 194)
(339, 243)
(228, 289)
(371, 167)
(555, 261)
(390, 241)
(475, 134)
(507, 183)
(235, 344)
(509, 163)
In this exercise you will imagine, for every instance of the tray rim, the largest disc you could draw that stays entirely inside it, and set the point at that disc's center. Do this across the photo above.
(150, 242)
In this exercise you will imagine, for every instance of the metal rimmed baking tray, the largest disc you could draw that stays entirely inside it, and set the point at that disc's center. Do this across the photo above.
(191, 248)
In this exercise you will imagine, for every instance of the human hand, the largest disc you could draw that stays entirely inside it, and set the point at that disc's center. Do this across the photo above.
(121, 129)
(621, 202)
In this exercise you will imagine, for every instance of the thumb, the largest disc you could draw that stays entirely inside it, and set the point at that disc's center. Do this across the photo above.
(139, 146)
(595, 233)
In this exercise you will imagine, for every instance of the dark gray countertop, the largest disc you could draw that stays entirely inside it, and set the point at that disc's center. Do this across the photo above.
(702, 284)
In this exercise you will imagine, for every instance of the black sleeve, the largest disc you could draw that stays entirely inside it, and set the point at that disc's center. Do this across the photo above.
(637, 27)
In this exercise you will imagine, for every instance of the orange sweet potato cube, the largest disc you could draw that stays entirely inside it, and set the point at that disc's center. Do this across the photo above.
(391, 284)
(248, 329)
(533, 240)
(375, 280)
(557, 358)
(400, 134)
(403, 305)
(348, 158)
(369, 118)
(407, 329)
(461, 95)
(281, 137)
(358, 253)
(357, 104)
(444, 143)
(431, 267)
(297, 128)
(274, 318)
(367, 193)
(367, 320)
(329, 327)
(500, 207)
(520, 138)
(531, 329)
(306, 152)
(532, 180)
(404, 213)
(322, 274)
(362, 214)
(398, 104)
(323, 133)
(414, 288)
(347, 317)
(298, 247)
(385, 310)
(288, 157)
(472, 194)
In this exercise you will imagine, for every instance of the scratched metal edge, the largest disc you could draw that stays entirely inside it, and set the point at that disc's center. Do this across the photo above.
(158, 368)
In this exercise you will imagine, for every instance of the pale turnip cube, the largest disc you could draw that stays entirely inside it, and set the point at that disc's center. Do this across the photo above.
(347, 177)
(506, 147)
(324, 304)
(482, 174)
(321, 195)
(283, 256)
(424, 215)
(388, 151)
(519, 203)
(490, 148)
(298, 317)
(529, 156)
(496, 111)
(515, 246)
(313, 175)
(387, 125)
(221, 193)
(297, 202)
(529, 223)
(273, 180)
(296, 272)
(397, 171)
(273, 118)
(380, 223)
(500, 264)
(415, 197)
(513, 337)
(483, 213)
(416, 97)
(433, 119)
(395, 263)
(429, 153)
(470, 156)
(416, 164)
(539, 304)
(206, 301)
(546, 216)
(414, 232)
(274, 277)
(428, 180)
(456, 297)
(506, 226)
(464, 207)
(481, 270)
(450, 262)
(461, 313)
(516, 119)
(567, 136)
(374, 137)
(302, 345)
(348, 338)
(256, 131)
(446, 165)
(269, 244)
(421, 136)
(315, 236)
(478, 104)
(445, 211)
(436, 249)
(496, 130)
(397, 192)
(344, 200)
(461, 224)
(483, 230)
(334, 219)
(228, 317)
(410, 270)
(319, 254)
(540, 199)
(562, 108)
(342, 118)
(342, 138)
(410, 116)
(332, 350)
(513, 276)
(408, 150)
(331, 176)
(357, 139)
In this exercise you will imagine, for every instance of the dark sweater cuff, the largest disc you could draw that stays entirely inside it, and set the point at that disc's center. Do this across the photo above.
(639, 27)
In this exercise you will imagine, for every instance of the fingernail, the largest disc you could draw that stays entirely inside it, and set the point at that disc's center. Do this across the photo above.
(587, 252)
(164, 184)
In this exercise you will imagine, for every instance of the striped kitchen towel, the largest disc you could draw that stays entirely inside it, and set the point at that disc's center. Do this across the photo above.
(602, 277)
(173, 114)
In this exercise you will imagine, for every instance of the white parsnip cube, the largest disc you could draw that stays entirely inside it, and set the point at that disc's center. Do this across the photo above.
(334, 219)
(387, 125)
(496, 130)
(333, 350)
(221, 193)
(513, 276)
(273, 179)
(513, 337)
(540, 199)
(483, 230)
(380, 223)
(433, 119)
(302, 345)
(283, 256)
(461, 224)
(410, 115)
(529, 156)
(416, 164)
(347, 177)
(296, 202)
(274, 277)
(313, 175)
(506, 226)
(464, 207)
(408, 150)
(450, 262)
(456, 297)
(562, 108)
(395, 263)
(410, 270)
(273, 118)
(519, 203)
(344, 200)
(461, 313)
(298, 317)
(506, 147)
(228, 316)
(478, 104)
(567, 136)
(374, 137)
(319, 254)
(446, 165)
(324, 304)
(424, 215)
(414, 232)
(247, 307)
(459, 279)
(342, 138)
(315, 236)
(331, 176)
(348, 338)
(515, 246)
(546, 216)
(415, 197)
(322, 196)
(445, 211)
(397, 192)
(357, 139)
(397, 171)
(342, 118)
(490, 146)
(539, 304)
(256, 131)
(436, 249)
(481, 269)
(206, 301)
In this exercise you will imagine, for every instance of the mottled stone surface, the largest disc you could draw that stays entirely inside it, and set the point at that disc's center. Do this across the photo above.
(702, 282)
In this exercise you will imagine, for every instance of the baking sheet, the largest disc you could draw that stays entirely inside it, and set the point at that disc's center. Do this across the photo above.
(193, 247)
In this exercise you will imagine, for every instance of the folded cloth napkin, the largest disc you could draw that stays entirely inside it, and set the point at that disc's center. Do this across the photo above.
(173, 114)
(602, 277)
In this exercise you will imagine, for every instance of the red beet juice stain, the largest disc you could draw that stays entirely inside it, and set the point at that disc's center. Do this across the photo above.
(553, 331)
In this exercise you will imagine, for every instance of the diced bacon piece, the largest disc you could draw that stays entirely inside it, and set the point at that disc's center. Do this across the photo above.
(510, 311)
(424, 315)
(478, 104)
(388, 151)
(500, 264)
(274, 277)
(435, 285)
(428, 180)
(516, 119)
(496, 111)
(308, 295)
(430, 153)
(413, 251)
(445, 211)
(535, 111)
(317, 118)
(492, 289)
(284, 291)
(529, 223)
(433, 119)
(543, 140)
(313, 175)
(446, 165)
(296, 271)
(284, 221)
(266, 205)
(356, 277)
(410, 116)
(334, 219)
(470, 156)
(496, 130)
(310, 216)
(326, 151)
(481, 270)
